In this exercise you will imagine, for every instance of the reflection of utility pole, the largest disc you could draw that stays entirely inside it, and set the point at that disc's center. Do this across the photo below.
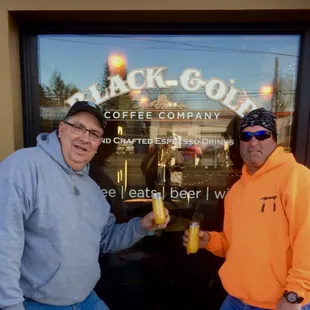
(215, 158)
(275, 106)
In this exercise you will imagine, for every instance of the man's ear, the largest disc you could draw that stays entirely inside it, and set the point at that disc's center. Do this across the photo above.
(60, 128)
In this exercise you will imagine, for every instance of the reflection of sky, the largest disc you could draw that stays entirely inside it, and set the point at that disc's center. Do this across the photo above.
(248, 60)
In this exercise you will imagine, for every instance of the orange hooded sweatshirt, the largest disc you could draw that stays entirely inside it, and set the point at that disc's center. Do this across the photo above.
(266, 233)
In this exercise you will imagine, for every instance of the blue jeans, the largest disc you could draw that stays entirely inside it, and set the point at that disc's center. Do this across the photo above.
(92, 302)
(232, 303)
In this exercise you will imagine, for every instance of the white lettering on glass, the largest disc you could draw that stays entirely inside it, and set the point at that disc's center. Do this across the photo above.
(190, 80)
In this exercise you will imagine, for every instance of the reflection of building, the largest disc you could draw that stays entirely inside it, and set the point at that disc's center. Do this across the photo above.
(209, 136)
(172, 117)
(53, 113)
(51, 116)
(214, 128)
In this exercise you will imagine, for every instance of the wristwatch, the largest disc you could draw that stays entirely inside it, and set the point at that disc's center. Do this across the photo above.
(292, 297)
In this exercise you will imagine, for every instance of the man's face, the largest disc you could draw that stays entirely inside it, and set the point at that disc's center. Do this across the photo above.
(79, 149)
(254, 153)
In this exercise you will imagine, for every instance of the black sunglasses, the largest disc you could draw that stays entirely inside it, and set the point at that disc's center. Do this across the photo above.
(260, 135)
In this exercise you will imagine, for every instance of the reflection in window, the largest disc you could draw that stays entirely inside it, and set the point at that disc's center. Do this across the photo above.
(168, 131)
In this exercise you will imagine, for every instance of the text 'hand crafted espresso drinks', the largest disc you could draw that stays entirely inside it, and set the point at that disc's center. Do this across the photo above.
(158, 209)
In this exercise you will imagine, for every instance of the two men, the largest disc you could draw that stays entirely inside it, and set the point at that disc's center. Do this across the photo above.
(266, 232)
(55, 221)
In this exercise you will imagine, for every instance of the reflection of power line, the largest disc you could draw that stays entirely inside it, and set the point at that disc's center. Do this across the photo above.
(250, 91)
(202, 48)
(259, 76)
(198, 45)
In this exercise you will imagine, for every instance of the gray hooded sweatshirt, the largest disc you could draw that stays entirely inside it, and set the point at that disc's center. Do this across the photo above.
(54, 223)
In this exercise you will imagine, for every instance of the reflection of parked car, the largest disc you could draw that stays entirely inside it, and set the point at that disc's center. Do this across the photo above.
(188, 155)
(194, 150)
(187, 152)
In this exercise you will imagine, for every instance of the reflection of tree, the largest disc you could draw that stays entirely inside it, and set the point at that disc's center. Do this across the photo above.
(286, 93)
(283, 90)
(123, 102)
(104, 82)
(57, 86)
(171, 94)
(57, 91)
(162, 102)
(45, 100)
(70, 89)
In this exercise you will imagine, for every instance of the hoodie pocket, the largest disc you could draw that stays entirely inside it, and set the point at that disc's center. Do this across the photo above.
(38, 269)
(251, 280)
(70, 284)
(47, 279)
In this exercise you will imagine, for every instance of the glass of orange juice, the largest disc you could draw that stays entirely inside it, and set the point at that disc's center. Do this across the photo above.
(158, 208)
(193, 238)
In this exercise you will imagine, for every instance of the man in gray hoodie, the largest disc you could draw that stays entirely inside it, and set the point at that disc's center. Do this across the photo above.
(55, 221)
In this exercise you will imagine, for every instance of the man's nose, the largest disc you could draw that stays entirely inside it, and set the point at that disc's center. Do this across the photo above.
(253, 141)
(85, 136)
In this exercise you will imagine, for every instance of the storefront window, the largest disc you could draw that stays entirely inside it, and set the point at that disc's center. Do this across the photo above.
(173, 105)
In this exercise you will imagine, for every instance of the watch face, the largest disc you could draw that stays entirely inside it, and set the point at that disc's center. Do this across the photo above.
(291, 297)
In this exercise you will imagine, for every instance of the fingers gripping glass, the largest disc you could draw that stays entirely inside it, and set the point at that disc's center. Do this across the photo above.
(80, 130)
(261, 135)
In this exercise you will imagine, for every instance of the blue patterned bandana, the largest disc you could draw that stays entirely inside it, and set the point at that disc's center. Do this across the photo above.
(259, 117)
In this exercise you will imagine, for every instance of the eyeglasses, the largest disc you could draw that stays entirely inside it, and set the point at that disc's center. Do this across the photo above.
(260, 135)
(80, 130)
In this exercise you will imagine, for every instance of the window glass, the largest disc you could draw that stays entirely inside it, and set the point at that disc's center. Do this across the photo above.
(173, 105)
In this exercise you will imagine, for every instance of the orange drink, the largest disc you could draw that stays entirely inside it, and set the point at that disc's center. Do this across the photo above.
(193, 238)
(158, 209)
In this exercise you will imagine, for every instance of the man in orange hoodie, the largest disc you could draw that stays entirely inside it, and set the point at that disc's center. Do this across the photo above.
(266, 232)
